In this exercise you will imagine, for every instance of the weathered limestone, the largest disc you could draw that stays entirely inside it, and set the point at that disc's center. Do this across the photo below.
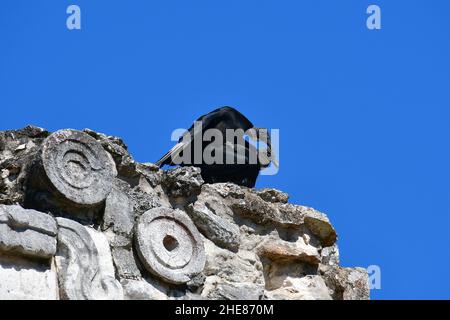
(330, 255)
(232, 275)
(264, 213)
(16, 216)
(219, 230)
(125, 263)
(27, 232)
(346, 283)
(77, 167)
(125, 164)
(319, 224)
(17, 148)
(143, 290)
(118, 213)
(84, 264)
(219, 289)
(22, 279)
(310, 287)
(128, 230)
(284, 251)
(272, 195)
(182, 182)
(169, 245)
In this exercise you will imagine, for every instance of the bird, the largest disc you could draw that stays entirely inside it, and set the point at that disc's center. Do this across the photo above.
(247, 158)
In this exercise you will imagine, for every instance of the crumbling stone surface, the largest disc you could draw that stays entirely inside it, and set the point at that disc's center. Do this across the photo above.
(27, 232)
(182, 183)
(219, 230)
(17, 148)
(118, 213)
(273, 195)
(346, 283)
(330, 255)
(24, 279)
(75, 206)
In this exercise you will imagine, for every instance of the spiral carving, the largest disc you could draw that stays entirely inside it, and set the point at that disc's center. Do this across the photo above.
(78, 167)
(169, 245)
(82, 276)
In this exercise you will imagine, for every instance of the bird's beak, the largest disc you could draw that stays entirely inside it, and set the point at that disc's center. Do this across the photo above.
(263, 135)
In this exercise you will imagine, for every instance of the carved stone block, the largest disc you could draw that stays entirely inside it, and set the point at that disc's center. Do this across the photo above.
(77, 167)
(22, 279)
(169, 245)
(27, 232)
(84, 264)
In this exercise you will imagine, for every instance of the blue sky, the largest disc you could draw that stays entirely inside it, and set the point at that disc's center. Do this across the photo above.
(363, 115)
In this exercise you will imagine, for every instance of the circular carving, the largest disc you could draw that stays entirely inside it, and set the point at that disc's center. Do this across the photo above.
(78, 167)
(169, 245)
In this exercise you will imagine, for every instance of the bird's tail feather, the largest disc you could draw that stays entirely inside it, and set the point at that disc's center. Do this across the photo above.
(175, 150)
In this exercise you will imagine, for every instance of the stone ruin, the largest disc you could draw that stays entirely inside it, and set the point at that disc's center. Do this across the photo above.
(80, 219)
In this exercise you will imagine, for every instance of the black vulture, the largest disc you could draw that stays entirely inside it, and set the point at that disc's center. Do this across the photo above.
(247, 160)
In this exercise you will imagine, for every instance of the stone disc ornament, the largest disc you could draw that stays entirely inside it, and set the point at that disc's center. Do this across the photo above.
(169, 245)
(78, 167)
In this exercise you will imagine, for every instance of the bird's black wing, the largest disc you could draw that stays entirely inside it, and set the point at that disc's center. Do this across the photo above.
(222, 118)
